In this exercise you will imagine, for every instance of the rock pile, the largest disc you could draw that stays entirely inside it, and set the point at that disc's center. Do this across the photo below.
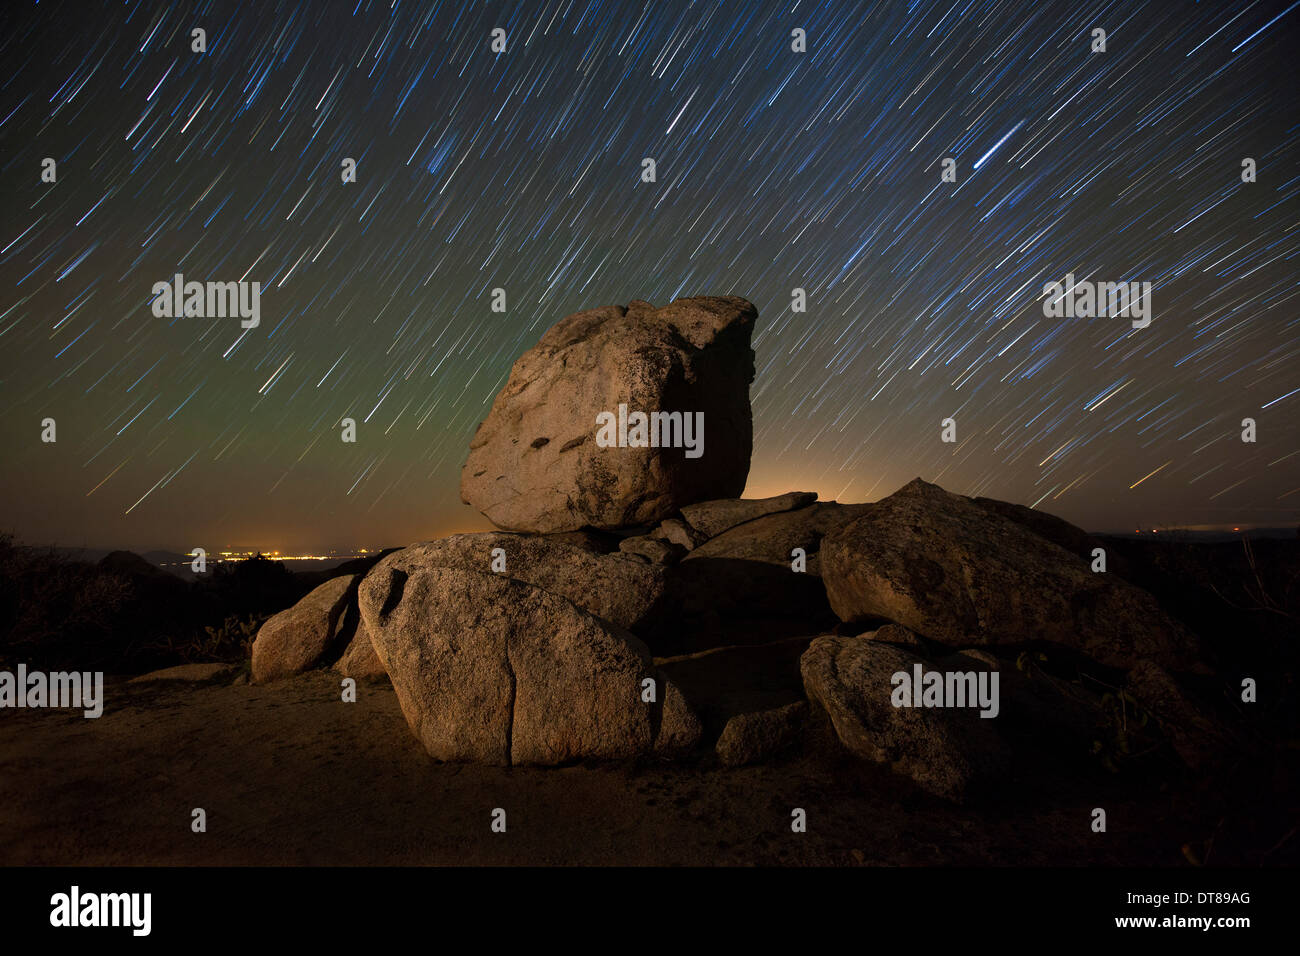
(634, 605)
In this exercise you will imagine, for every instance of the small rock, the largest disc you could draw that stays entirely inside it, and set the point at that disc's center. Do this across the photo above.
(187, 672)
(750, 738)
(951, 752)
(677, 531)
(300, 637)
(359, 660)
(652, 549)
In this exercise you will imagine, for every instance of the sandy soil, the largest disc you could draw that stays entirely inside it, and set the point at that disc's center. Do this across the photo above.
(289, 774)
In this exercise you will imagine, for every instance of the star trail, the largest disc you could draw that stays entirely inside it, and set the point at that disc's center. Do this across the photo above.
(521, 170)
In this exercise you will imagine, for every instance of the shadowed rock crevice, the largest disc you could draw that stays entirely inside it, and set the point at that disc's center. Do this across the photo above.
(393, 593)
(573, 443)
(723, 682)
(510, 720)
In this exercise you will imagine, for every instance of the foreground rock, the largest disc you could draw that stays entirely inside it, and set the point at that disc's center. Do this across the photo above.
(534, 463)
(750, 738)
(493, 670)
(305, 634)
(949, 752)
(1056, 530)
(617, 587)
(188, 673)
(962, 575)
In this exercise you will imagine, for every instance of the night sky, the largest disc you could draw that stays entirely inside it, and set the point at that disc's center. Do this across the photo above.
(522, 170)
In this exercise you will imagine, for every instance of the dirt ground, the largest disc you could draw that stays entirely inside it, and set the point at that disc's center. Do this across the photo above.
(290, 774)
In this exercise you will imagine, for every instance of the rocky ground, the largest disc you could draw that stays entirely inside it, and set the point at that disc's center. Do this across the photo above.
(288, 774)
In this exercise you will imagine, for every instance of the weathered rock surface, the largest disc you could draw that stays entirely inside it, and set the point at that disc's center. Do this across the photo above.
(1056, 530)
(752, 737)
(534, 464)
(711, 518)
(617, 587)
(962, 575)
(949, 752)
(302, 636)
(490, 669)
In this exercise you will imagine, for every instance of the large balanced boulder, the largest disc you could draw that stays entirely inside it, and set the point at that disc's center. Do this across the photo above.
(306, 634)
(949, 751)
(963, 575)
(492, 670)
(536, 464)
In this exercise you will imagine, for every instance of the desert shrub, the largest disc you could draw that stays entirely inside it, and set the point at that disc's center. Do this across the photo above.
(61, 608)
(231, 640)
(56, 612)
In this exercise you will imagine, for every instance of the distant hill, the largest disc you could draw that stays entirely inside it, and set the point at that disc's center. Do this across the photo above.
(131, 564)
(1207, 537)
(178, 564)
